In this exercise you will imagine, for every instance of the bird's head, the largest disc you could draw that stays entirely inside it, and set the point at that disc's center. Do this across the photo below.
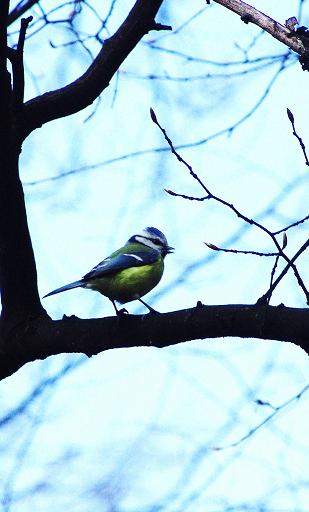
(154, 238)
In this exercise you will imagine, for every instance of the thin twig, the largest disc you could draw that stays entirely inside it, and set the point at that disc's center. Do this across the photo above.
(231, 206)
(184, 196)
(272, 275)
(264, 297)
(268, 418)
(296, 223)
(302, 145)
(238, 251)
(20, 9)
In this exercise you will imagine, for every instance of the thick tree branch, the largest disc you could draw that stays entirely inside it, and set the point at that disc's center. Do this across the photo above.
(83, 91)
(18, 278)
(17, 59)
(44, 337)
(251, 15)
(4, 78)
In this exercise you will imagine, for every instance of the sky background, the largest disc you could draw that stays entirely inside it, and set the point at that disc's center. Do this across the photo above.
(178, 428)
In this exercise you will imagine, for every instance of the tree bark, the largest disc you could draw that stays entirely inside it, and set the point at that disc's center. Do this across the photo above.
(45, 337)
(18, 279)
(249, 14)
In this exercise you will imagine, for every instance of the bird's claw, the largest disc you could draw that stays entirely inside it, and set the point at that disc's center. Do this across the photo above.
(122, 312)
(153, 311)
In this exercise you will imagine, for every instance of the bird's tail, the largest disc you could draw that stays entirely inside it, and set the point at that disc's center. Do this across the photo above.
(76, 284)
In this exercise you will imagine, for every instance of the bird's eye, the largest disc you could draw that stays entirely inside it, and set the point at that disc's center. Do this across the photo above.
(156, 242)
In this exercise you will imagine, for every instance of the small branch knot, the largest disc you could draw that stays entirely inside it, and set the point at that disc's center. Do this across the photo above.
(159, 26)
(246, 18)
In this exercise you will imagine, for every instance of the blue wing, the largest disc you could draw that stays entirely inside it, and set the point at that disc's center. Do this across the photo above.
(121, 262)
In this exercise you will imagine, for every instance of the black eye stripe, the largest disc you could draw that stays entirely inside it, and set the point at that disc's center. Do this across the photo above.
(154, 240)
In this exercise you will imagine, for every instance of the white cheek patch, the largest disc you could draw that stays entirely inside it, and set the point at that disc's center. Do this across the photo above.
(138, 258)
(146, 241)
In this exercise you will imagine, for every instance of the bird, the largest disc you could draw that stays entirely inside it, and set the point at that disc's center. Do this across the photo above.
(128, 273)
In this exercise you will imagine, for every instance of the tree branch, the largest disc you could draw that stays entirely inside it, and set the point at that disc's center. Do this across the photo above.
(44, 337)
(278, 31)
(237, 212)
(4, 79)
(17, 59)
(300, 140)
(83, 91)
(20, 9)
(18, 278)
(274, 284)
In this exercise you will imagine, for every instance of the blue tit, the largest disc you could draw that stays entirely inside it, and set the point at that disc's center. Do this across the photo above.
(129, 273)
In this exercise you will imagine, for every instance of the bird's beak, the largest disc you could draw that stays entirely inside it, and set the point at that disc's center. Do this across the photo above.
(169, 249)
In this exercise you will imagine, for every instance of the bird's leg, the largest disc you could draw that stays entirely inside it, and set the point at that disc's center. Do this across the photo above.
(115, 307)
(151, 310)
(119, 312)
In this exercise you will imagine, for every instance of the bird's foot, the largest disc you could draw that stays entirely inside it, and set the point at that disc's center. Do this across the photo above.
(122, 312)
(153, 311)
(150, 309)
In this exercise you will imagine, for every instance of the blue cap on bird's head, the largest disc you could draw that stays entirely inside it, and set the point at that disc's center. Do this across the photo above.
(154, 238)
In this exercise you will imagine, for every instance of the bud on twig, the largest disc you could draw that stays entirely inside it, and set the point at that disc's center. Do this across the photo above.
(290, 115)
(212, 246)
(170, 192)
(153, 115)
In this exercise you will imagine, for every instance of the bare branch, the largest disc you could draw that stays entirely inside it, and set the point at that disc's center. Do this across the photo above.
(268, 418)
(83, 91)
(302, 145)
(272, 275)
(232, 207)
(249, 14)
(16, 58)
(235, 237)
(296, 223)
(228, 130)
(38, 390)
(282, 274)
(20, 9)
(185, 196)
(18, 277)
(239, 251)
(43, 337)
